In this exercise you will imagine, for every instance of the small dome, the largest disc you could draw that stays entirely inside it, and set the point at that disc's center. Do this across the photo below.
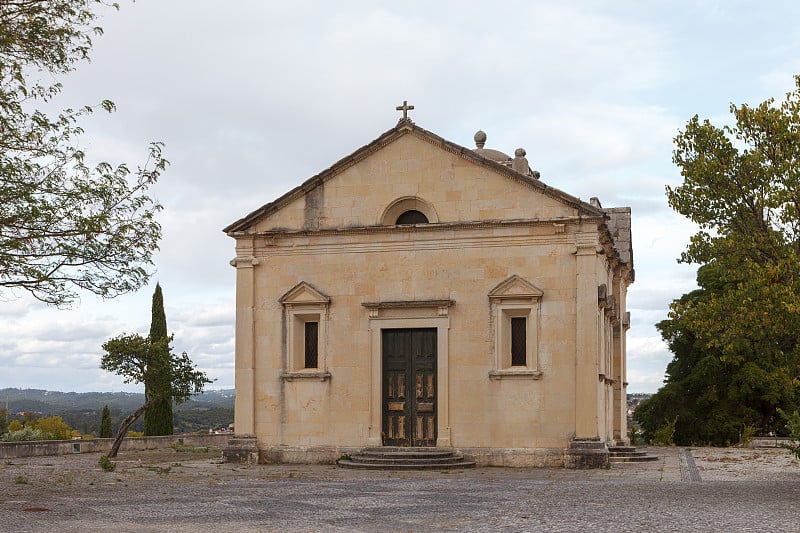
(488, 153)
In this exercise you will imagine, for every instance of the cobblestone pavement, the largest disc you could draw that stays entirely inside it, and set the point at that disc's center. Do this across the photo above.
(165, 490)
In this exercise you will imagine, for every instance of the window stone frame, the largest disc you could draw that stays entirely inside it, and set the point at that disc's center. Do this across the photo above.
(515, 297)
(304, 303)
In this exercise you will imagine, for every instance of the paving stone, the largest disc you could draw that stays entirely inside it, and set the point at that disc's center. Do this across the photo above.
(178, 492)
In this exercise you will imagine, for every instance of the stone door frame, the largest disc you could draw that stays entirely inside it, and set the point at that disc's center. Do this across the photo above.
(410, 315)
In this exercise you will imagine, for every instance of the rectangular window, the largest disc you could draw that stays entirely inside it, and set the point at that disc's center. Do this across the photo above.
(311, 345)
(519, 336)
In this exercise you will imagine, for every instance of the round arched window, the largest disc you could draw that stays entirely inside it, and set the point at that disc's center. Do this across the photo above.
(412, 216)
(408, 210)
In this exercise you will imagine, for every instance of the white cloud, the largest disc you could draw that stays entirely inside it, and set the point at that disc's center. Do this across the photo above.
(252, 98)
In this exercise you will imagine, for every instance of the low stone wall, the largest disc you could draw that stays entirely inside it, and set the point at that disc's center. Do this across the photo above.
(770, 442)
(10, 450)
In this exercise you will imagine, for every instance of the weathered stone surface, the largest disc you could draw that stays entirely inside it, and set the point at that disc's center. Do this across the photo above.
(586, 453)
(242, 450)
(490, 228)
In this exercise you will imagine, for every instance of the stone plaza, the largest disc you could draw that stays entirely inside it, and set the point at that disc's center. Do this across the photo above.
(703, 489)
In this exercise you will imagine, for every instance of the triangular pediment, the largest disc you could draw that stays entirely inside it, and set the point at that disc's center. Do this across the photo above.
(304, 293)
(515, 287)
(306, 200)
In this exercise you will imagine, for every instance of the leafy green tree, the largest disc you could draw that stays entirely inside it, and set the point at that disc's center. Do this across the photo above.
(737, 341)
(64, 225)
(53, 427)
(742, 187)
(698, 386)
(134, 357)
(158, 417)
(105, 423)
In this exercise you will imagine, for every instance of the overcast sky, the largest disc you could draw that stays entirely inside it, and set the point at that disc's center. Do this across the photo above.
(253, 97)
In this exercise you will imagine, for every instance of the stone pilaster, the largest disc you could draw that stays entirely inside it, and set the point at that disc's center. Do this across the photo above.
(586, 357)
(244, 407)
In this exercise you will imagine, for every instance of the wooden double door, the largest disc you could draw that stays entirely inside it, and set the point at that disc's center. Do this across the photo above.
(409, 387)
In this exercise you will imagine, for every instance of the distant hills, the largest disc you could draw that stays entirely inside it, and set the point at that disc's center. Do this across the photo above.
(81, 410)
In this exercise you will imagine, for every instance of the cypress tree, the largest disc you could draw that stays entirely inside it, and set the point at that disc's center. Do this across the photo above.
(158, 418)
(105, 424)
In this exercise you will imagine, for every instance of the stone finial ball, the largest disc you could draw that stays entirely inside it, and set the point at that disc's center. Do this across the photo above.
(480, 138)
(520, 152)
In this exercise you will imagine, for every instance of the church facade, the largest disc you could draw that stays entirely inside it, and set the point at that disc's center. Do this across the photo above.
(420, 293)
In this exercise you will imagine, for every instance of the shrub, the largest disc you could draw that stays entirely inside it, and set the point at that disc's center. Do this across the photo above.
(634, 435)
(664, 436)
(24, 434)
(793, 426)
(107, 464)
(747, 434)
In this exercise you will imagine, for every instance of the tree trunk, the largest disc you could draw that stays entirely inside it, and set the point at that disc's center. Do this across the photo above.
(123, 428)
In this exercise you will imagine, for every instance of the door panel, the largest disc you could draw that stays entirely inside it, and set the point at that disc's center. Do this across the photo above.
(409, 387)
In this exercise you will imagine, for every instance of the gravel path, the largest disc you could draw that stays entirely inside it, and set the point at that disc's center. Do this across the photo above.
(166, 490)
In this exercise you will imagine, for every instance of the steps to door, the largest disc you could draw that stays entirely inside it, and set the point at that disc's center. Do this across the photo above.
(628, 454)
(400, 458)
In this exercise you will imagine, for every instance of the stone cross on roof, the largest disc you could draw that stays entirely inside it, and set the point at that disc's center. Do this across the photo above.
(405, 108)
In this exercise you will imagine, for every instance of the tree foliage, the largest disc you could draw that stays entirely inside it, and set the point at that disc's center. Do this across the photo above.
(158, 418)
(793, 429)
(64, 224)
(134, 357)
(714, 398)
(736, 341)
(47, 428)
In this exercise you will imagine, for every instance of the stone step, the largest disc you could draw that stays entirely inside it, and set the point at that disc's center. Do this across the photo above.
(622, 448)
(397, 458)
(633, 459)
(410, 453)
(358, 458)
(406, 465)
(627, 454)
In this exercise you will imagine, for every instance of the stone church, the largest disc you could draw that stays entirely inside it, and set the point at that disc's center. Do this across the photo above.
(421, 293)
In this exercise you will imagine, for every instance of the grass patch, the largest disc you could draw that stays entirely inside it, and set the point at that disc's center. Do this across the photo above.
(182, 448)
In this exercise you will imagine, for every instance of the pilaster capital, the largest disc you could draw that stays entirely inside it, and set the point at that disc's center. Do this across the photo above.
(586, 244)
(244, 262)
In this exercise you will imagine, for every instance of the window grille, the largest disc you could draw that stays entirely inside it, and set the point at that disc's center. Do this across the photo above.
(312, 345)
(518, 340)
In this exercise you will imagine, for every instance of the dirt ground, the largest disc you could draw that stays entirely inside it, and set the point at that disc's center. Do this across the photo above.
(203, 465)
(744, 464)
(187, 489)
